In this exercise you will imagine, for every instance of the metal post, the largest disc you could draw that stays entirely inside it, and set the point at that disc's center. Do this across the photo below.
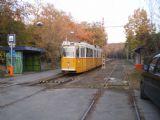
(127, 50)
(11, 43)
(11, 53)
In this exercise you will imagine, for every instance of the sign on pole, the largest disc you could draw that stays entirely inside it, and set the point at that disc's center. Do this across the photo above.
(11, 39)
(11, 43)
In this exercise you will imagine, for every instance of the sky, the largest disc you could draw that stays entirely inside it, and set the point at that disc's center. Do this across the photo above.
(114, 12)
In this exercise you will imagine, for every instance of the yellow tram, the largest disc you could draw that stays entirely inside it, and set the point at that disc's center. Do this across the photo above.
(80, 56)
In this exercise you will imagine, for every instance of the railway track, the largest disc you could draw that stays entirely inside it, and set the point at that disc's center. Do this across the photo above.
(133, 99)
(34, 82)
(97, 96)
(57, 83)
(100, 92)
(61, 80)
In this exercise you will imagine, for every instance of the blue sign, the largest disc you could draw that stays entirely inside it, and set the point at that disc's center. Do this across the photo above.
(13, 53)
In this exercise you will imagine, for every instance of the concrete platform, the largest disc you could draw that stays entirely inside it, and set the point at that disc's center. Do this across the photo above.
(113, 105)
(23, 78)
(57, 104)
(148, 110)
(16, 93)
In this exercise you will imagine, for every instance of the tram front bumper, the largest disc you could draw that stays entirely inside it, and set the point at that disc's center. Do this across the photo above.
(67, 69)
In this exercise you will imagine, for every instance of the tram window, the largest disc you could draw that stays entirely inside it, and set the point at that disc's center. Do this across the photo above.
(89, 52)
(99, 54)
(68, 52)
(82, 52)
(77, 52)
(94, 53)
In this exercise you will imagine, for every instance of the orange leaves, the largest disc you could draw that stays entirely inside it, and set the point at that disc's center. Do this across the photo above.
(82, 34)
(58, 26)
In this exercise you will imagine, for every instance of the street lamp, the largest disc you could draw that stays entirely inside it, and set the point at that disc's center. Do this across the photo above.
(39, 24)
(71, 32)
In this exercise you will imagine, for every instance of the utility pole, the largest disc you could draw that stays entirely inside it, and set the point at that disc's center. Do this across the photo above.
(103, 52)
(127, 51)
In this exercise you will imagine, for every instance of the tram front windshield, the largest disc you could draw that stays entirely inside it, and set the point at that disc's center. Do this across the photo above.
(68, 52)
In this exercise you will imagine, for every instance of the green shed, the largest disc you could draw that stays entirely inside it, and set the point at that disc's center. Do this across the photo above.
(25, 58)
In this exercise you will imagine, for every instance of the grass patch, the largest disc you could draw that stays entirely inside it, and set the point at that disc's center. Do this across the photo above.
(135, 77)
(129, 62)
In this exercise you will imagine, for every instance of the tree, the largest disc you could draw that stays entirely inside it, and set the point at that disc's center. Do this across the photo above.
(138, 30)
(92, 33)
(55, 29)
(12, 14)
(99, 35)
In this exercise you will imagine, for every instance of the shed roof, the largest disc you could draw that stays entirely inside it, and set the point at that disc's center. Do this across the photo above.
(23, 48)
(138, 49)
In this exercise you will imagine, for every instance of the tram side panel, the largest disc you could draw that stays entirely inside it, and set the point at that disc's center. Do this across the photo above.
(81, 65)
(89, 63)
(84, 64)
(99, 61)
(78, 65)
(96, 62)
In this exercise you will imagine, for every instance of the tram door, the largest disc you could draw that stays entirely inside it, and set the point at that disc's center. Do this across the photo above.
(82, 52)
(78, 60)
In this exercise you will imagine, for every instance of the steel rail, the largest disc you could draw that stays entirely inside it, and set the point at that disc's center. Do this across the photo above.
(43, 89)
(36, 81)
(47, 80)
(137, 112)
(109, 76)
(97, 96)
(88, 110)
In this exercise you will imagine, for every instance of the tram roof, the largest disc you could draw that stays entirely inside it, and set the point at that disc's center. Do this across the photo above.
(81, 44)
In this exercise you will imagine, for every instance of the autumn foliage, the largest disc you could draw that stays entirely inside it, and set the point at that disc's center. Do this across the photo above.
(141, 32)
(56, 27)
